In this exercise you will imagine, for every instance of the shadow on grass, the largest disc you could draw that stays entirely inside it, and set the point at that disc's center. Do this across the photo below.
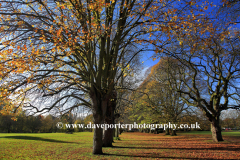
(151, 155)
(37, 139)
(212, 148)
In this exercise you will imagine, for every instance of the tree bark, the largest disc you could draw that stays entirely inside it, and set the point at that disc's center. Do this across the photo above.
(97, 141)
(116, 132)
(109, 119)
(113, 135)
(167, 131)
(216, 130)
(108, 134)
(173, 132)
(108, 138)
(99, 107)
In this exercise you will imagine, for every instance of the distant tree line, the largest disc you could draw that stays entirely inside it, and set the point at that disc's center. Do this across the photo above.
(230, 120)
(40, 124)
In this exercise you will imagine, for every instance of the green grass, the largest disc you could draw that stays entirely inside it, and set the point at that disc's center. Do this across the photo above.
(231, 133)
(189, 145)
(43, 145)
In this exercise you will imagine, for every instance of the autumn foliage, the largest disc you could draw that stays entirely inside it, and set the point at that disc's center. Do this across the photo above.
(65, 54)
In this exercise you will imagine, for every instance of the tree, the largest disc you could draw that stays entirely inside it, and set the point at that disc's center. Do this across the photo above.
(79, 121)
(6, 123)
(34, 123)
(67, 119)
(9, 124)
(230, 119)
(229, 11)
(172, 106)
(87, 120)
(109, 119)
(125, 84)
(157, 99)
(47, 124)
(21, 123)
(209, 60)
(67, 53)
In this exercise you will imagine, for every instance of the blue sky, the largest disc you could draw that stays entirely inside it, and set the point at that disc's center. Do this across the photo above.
(146, 56)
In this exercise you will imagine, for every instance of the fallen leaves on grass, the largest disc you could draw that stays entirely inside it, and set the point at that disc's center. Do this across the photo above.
(131, 146)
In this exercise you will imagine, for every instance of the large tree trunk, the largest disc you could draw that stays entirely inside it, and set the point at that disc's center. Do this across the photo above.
(97, 141)
(109, 119)
(99, 102)
(108, 134)
(216, 130)
(98, 133)
(108, 137)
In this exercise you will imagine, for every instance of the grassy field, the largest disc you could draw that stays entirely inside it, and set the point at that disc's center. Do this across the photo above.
(190, 145)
